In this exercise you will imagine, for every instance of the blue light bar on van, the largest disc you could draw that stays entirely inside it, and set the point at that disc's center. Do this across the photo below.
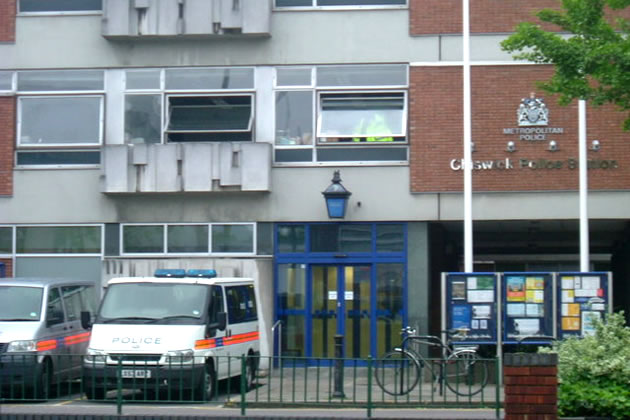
(170, 272)
(207, 274)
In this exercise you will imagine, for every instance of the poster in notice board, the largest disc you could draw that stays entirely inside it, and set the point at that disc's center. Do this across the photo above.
(471, 304)
(527, 306)
(582, 298)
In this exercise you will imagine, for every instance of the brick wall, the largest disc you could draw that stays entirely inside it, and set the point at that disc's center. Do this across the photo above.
(8, 266)
(7, 20)
(486, 16)
(436, 134)
(7, 141)
(531, 386)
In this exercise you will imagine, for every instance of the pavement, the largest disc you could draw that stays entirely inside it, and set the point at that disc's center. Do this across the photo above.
(97, 411)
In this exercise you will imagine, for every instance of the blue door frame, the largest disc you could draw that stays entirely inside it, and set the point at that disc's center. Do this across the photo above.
(308, 260)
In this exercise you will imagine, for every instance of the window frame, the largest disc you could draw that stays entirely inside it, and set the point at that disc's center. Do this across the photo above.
(165, 252)
(167, 111)
(17, 253)
(57, 12)
(64, 146)
(315, 6)
(319, 118)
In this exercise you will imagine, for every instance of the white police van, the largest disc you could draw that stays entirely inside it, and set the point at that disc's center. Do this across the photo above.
(178, 330)
(42, 342)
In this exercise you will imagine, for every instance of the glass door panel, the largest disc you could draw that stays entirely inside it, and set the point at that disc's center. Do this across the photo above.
(389, 306)
(325, 301)
(357, 311)
(291, 296)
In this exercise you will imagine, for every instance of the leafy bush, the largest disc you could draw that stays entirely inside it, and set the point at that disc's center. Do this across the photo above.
(594, 371)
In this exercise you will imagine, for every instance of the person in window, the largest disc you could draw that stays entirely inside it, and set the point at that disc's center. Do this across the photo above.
(377, 126)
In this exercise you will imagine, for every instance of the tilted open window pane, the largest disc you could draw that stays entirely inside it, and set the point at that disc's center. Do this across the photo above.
(54, 121)
(210, 118)
(359, 117)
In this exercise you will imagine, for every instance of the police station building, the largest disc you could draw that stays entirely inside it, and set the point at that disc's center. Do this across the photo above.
(138, 135)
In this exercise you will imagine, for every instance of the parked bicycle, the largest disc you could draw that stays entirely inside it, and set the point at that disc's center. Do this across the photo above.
(459, 368)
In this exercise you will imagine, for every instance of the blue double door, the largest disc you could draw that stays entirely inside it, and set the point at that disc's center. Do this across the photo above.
(317, 302)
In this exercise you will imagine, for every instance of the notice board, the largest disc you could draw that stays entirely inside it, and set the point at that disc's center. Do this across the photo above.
(527, 306)
(471, 303)
(581, 298)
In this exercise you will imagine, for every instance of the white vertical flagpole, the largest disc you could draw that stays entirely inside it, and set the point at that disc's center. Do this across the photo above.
(583, 156)
(468, 231)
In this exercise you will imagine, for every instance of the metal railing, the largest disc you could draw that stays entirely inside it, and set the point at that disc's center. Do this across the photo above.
(289, 382)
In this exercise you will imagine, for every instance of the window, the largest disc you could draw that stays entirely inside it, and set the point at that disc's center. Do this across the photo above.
(6, 240)
(142, 118)
(54, 121)
(77, 299)
(188, 239)
(233, 238)
(58, 240)
(325, 3)
(189, 105)
(209, 118)
(241, 303)
(343, 113)
(361, 117)
(60, 117)
(60, 5)
(216, 304)
(54, 311)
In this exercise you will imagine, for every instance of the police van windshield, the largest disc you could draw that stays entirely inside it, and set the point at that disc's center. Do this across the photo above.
(19, 303)
(154, 303)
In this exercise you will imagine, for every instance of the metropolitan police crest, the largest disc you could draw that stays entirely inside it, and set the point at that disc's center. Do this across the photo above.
(532, 111)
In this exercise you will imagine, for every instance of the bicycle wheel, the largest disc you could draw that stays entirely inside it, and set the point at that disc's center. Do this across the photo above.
(465, 373)
(397, 373)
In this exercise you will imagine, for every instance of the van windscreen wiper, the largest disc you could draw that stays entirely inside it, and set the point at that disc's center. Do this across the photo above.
(128, 318)
(170, 317)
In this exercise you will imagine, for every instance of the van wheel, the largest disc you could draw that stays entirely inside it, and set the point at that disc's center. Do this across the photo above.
(43, 383)
(250, 372)
(207, 386)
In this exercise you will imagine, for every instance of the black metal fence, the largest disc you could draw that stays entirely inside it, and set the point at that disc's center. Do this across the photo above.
(234, 382)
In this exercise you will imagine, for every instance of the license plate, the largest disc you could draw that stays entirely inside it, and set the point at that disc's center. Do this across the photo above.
(136, 373)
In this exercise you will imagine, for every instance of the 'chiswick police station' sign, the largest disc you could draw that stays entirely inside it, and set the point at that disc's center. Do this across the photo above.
(533, 118)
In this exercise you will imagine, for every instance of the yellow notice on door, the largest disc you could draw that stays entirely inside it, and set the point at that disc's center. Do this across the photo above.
(570, 323)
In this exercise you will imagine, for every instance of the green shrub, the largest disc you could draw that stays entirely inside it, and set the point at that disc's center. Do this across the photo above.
(594, 371)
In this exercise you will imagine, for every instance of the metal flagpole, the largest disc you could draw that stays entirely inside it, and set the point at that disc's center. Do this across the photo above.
(583, 156)
(468, 231)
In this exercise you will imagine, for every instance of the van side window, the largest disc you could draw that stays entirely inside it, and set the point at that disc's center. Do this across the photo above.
(54, 312)
(241, 304)
(216, 304)
(77, 299)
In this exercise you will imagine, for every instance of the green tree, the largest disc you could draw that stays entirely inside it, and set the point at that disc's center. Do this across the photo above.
(590, 54)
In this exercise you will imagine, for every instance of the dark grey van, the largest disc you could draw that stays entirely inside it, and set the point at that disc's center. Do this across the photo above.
(41, 337)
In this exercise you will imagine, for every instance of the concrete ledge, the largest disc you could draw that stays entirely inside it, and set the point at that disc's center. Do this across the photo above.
(530, 359)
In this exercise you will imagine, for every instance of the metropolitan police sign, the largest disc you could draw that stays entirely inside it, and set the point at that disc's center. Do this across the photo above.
(532, 112)
(532, 117)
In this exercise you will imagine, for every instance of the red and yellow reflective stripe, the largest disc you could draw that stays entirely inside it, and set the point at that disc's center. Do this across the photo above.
(46, 345)
(209, 343)
(241, 338)
(76, 338)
